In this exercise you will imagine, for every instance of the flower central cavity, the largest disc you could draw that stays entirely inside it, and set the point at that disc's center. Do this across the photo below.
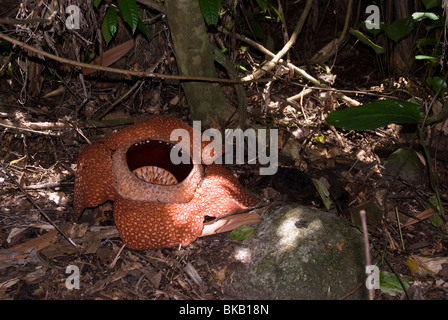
(150, 161)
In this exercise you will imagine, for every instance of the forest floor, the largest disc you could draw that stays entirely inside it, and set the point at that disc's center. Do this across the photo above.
(46, 119)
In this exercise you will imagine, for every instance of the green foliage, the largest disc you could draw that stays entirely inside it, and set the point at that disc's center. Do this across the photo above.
(242, 233)
(391, 285)
(323, 192)
(435, 219)
(419, 16)
(110, 24)
(399, 29)
(373, 115)
(249, 24)
(361, 37)
(433, 60)
(265, 5)
(437, 84)
(429, 4)
(210, 10)
(96, 3)
(129, 12)
(429, 48)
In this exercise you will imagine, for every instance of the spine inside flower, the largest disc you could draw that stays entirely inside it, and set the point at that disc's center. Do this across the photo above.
(155, 174)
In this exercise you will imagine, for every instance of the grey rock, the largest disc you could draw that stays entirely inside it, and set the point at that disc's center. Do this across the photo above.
(299, 253)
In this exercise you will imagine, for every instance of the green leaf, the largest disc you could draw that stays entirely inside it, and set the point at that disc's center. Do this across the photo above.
(111, 19)
(399, 29)
(361, 37)
(419, 16)
(390, 284)
(110, 24)
(129, 11)
(242, 233)
(277, 12)
(430, 58)
(142, 28)
(323, 192)
(373, 115)
(437, 84)
(427, 42)
(210, 10)
(96, 3)
(435, 219)
(263, 4)
(257, 29)
(242, 67)
(106, 34)
(429, 4)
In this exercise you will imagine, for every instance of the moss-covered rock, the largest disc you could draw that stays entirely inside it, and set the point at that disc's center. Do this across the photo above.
(299, 253)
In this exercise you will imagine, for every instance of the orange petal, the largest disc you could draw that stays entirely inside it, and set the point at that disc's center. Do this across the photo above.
(94, 183)
(221, 193)
(149, 225)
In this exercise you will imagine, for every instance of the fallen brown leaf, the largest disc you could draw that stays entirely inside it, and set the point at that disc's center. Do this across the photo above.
(229, 223)
(421, 216)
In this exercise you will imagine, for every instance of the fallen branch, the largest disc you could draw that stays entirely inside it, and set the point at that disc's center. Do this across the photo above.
(318, 85)
(292, 40)
(140, 74)
(8, 124)
(330, 49)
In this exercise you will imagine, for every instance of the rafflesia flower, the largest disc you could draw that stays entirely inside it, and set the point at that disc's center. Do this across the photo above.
(157, 204)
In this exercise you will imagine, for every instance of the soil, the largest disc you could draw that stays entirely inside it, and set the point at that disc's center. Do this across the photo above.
(49, 112)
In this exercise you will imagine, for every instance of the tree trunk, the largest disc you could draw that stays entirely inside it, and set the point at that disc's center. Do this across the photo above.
(194, 57)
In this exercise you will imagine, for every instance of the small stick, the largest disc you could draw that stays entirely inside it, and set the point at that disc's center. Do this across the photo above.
(261, 204)
(117, 256)
(362, 214)
(39, 209)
